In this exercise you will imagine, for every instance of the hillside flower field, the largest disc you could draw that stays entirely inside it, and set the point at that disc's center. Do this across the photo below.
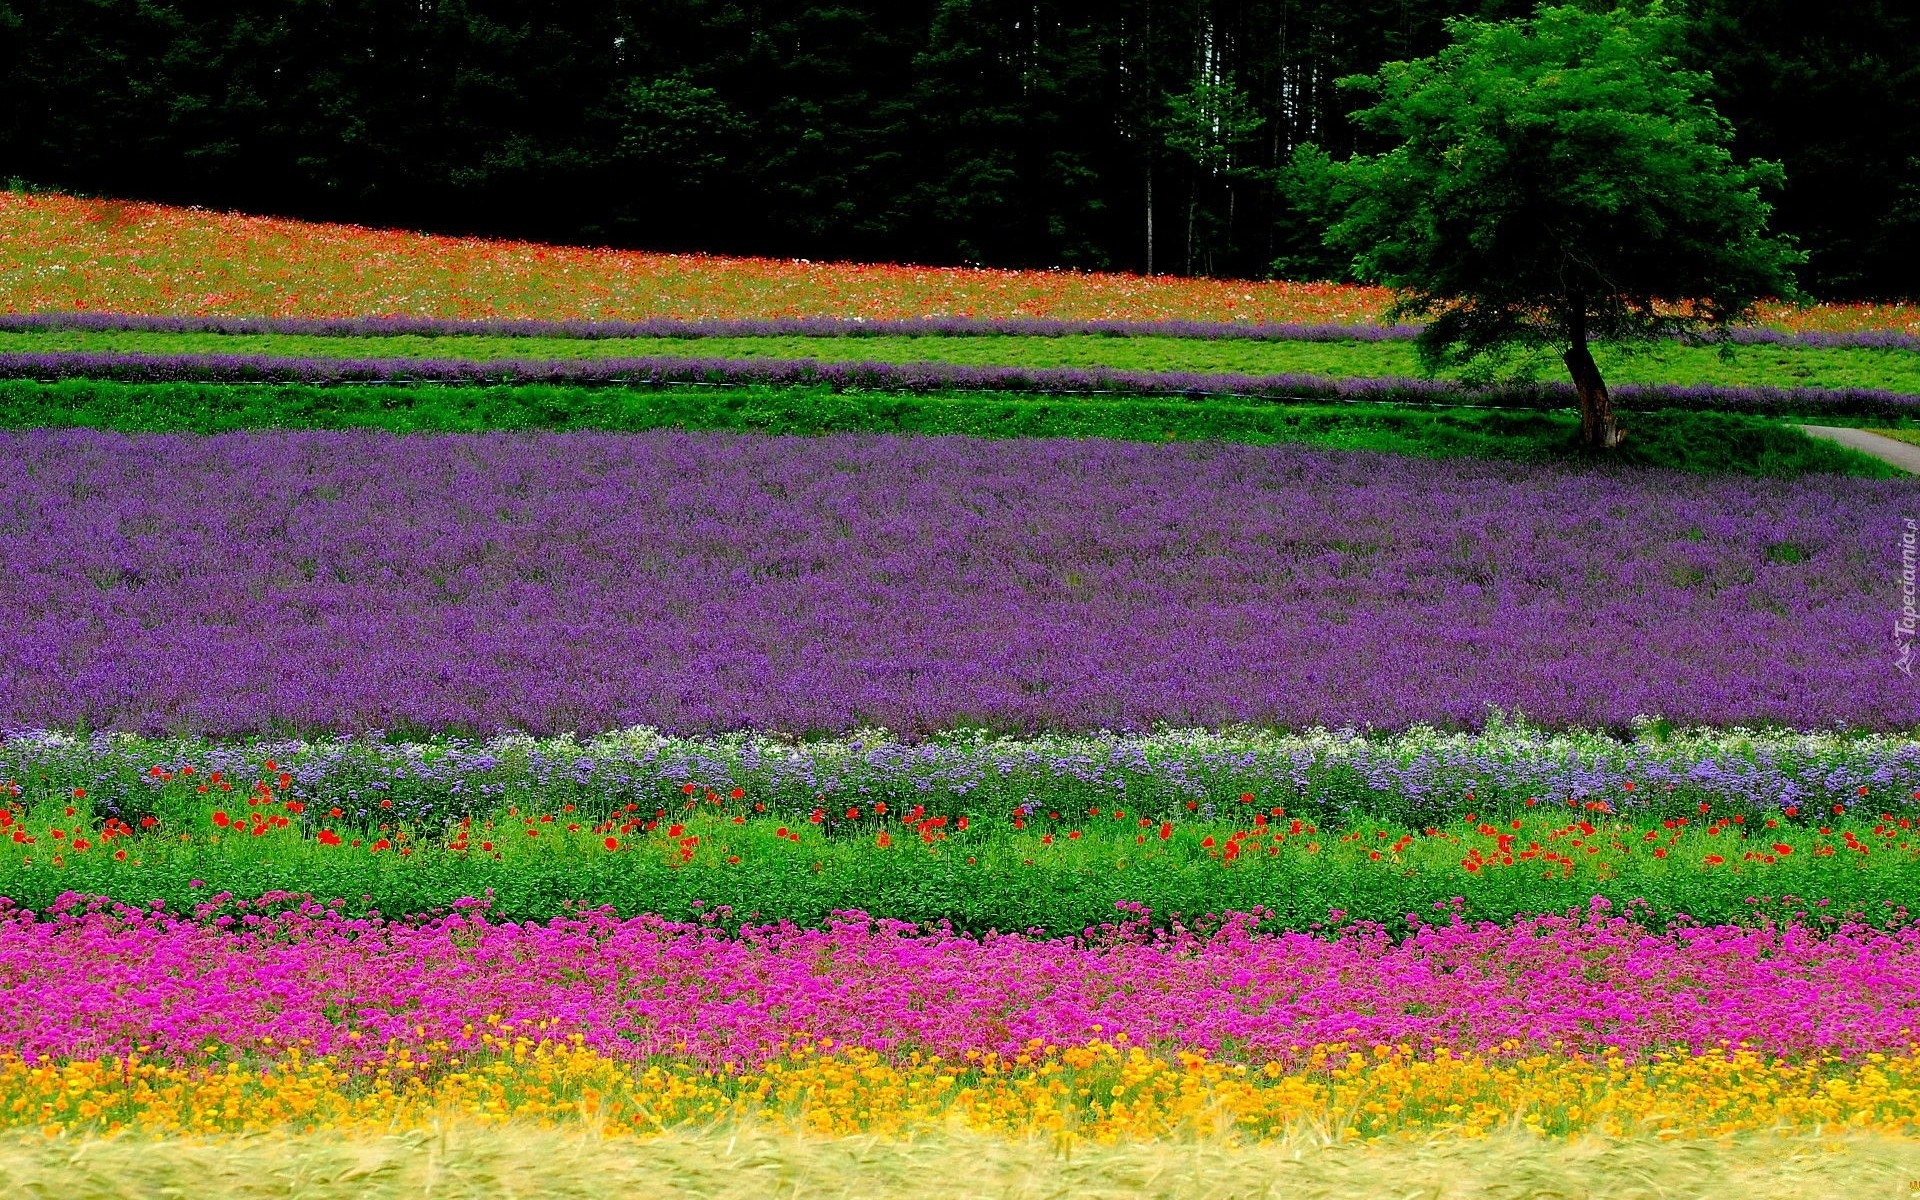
(464, 699)
(76, 255)
(70, 254)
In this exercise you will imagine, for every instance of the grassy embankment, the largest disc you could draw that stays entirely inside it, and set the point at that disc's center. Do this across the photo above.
(1056, 870)
(1660, 363)
(1691, 441)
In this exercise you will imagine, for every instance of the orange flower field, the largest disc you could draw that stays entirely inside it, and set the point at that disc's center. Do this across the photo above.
(68, 254)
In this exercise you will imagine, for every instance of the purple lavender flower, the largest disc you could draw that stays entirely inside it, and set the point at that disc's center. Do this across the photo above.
(351, 581)
(666, 327)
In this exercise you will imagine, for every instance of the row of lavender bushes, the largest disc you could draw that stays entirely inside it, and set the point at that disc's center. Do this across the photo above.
(667, 327)
(558, 582)
(926, 377)
(1420, 777)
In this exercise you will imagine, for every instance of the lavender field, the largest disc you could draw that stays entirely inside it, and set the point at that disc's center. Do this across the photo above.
(347, 581)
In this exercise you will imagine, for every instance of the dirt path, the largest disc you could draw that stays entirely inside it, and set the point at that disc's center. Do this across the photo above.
(1900, 454)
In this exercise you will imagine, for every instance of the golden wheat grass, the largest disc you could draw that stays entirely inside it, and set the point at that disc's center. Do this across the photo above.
(739, 1162)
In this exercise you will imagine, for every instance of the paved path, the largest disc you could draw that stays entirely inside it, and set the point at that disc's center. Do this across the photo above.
(1901, 454)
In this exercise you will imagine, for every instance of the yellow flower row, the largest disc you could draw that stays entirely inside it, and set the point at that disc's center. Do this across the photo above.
(1101, 1091)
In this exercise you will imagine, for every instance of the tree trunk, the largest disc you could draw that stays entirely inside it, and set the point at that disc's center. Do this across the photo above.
(1149, 212)
(1598, 428)
(1149, 136)
(1231, 198)
(1193, 202)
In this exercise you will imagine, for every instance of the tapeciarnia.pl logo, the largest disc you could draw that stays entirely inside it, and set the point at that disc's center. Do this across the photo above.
(1905, 624)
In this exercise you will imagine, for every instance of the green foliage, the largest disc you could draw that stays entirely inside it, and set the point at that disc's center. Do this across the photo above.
(1210, 124)
(1008, 132)
(992, 876)
(1305, 211)
(1691, 441)
(1047, 833)
(675, 131)
(1742, 445)
(1796, 79)
(1213, 126)
(1555, 179)
(1661, 362)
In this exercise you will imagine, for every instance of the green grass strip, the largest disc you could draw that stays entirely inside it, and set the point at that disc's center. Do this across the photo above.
(1690, 441)
(992, 877)
(1657, 363)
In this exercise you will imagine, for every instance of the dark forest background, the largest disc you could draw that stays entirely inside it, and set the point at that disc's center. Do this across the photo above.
(1113, 134)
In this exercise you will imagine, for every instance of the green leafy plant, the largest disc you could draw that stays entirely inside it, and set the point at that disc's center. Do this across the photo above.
(1553, 182)
(1689, 441)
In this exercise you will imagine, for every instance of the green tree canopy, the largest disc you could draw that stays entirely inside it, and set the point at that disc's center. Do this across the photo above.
(1556, 180)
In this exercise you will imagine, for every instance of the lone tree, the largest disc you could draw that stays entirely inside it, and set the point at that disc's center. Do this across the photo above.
(1556, 181)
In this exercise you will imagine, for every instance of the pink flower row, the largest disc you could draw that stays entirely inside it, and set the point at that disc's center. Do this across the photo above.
(94, 979)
